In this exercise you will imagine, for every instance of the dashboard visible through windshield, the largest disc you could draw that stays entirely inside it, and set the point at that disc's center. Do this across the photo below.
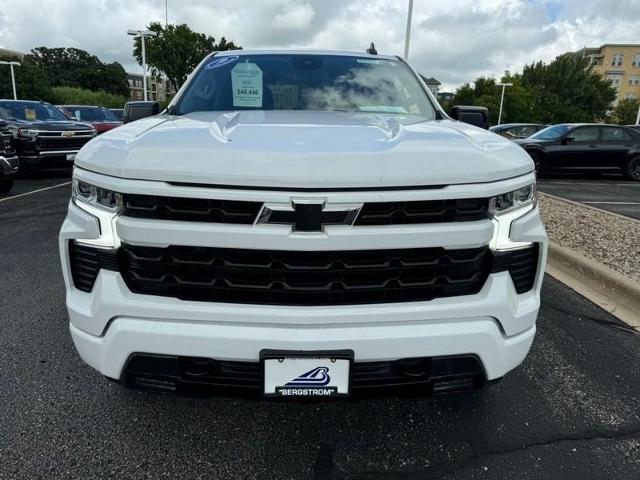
(305, 82)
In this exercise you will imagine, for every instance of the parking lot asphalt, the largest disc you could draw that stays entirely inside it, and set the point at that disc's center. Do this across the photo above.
(571, 411)
(607, 192)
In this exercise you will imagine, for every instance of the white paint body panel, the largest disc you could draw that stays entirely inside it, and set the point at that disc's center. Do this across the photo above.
(272, 157)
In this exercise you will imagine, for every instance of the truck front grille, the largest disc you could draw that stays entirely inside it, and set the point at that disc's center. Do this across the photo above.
(245, 212)
(272, 277)
(303, 278)
(51, 143)
(6, 144)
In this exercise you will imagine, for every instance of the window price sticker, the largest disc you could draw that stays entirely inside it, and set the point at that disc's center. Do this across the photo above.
(246, 82)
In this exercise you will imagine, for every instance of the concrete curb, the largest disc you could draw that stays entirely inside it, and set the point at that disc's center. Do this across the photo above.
(612, 291)
(578, 204)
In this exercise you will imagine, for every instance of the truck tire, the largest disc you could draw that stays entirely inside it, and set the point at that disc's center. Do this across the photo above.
(632, 169)
(6, 185)
(538, 163)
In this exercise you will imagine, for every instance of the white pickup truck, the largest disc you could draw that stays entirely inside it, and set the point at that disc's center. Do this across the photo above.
(303, 224)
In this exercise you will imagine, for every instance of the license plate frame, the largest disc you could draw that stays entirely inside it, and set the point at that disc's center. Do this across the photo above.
(323, 359)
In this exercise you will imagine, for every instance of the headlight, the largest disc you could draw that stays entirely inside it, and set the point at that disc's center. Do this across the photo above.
(27, 133)
(508, 202)
(96, 196)
(506, 208)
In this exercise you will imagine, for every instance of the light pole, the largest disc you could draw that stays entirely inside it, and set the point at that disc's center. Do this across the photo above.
(13, 77)
(142, 34)
(408, 34)
(503, 85)
(638, 116)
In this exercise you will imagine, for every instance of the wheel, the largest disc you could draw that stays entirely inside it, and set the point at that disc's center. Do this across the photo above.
(632, 169)
(6, 185)
(537, 163)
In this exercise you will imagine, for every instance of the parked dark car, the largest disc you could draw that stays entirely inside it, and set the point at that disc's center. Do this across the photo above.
(8, 158)
(585, 146)
(101, 118)
(117, 112)
(43, 136)
(514, 131)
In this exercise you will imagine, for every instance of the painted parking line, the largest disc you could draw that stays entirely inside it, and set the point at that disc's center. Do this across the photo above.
(34, 191)
(629, 184)
(612, 203)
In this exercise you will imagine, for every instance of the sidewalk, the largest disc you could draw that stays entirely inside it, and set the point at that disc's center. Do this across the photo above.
(596, 253)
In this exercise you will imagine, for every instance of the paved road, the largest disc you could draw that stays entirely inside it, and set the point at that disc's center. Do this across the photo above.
(571, 411)
(609, 192)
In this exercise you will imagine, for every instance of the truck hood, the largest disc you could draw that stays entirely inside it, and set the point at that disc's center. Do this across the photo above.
(51, 125)
(285, 149)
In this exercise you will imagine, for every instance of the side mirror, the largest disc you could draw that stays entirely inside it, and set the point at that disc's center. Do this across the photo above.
(478, 116)
(74, 118)
(136, 110)
(566, 140)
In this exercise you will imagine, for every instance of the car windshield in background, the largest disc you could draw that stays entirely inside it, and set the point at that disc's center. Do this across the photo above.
(551, 133)
(91, 114)
(30, 111)
(305, 82)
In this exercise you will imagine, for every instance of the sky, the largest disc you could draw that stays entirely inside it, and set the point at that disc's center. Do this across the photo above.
(454, 41)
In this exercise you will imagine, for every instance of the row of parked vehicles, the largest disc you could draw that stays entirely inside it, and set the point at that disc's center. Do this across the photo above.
(38, 134)
(35, 134)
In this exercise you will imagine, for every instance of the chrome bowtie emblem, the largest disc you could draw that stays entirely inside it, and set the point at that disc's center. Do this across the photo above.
(309, 216)
(68, 134)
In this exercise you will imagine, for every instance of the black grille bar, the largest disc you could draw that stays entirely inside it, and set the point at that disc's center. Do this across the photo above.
(304, 278)
(191, 209)
(245, 212)
(429, 211)
(522, 265)
(86, 262)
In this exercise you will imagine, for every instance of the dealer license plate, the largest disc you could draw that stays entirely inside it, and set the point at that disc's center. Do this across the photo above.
(71, 157)
(306, 374)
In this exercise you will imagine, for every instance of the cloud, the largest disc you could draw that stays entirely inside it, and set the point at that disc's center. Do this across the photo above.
(452, 40)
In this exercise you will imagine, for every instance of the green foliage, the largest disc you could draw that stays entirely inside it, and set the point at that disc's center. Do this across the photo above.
(82, 96)
(74, 67)
(31, 82)
(626, 111)
(177, 50)
(565, 90)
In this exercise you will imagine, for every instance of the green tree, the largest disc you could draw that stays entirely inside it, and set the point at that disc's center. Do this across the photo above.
(82, 96)
(626, 111)
(567, 90)
(74, 67)
(31, 81)
(176, 50)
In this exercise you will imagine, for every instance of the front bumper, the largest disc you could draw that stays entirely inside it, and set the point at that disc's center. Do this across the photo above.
(53, 158)
(8, 167)
(110, 324)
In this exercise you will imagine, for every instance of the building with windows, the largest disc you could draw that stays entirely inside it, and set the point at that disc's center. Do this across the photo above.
(619, 63)
(432, 84)
(159, 89)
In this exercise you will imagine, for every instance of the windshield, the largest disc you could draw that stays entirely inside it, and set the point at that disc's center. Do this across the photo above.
(92, 114)
(305, 82)
(30, 111)
(551, 133)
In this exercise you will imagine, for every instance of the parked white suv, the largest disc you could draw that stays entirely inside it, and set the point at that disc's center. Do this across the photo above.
(303, 223)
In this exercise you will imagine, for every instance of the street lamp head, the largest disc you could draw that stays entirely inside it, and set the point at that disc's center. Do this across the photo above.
(141, 33)
(504, 84)
(17, 64)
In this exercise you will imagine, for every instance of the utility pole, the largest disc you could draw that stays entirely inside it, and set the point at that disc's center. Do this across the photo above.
(503, 85)
(408, 34)
(638, 116)
(142, 34)
(13, 77)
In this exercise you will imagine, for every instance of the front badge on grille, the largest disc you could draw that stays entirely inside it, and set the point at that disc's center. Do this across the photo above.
(309, 215)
